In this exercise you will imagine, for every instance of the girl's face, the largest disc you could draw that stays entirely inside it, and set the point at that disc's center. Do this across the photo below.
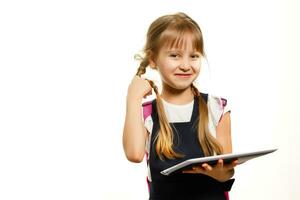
(178, 67)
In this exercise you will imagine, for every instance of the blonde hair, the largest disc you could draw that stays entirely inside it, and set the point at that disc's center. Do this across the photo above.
(169, 30)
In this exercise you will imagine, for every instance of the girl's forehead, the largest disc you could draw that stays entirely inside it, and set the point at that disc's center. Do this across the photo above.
(181, 45)
(179, 41)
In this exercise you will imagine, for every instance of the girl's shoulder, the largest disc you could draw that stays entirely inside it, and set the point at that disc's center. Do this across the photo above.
(218, 101)
(215, 101)
(217, 107)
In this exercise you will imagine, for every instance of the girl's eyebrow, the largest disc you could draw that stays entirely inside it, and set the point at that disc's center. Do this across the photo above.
(180, 51)
(173, 50)
(196, 52)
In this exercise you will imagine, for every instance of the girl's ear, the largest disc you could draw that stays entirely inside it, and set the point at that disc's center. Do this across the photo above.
(152, 64)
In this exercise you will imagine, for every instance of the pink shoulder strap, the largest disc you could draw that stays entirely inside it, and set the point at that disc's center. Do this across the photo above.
(147, 109)
(223, 102)
(226, 195)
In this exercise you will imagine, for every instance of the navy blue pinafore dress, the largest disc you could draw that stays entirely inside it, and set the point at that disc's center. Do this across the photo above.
(182, 186)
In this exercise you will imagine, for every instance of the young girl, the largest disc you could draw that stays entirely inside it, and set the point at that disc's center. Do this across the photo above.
(183, 123)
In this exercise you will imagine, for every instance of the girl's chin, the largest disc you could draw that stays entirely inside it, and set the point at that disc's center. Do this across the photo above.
(180, 88)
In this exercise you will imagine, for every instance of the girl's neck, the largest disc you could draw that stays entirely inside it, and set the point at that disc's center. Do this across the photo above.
(179, 97)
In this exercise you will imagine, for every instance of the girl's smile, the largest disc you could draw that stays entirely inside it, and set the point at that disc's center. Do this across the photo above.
(183, 75)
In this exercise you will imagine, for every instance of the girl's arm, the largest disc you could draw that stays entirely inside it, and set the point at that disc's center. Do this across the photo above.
(223, 130)
(134, 132)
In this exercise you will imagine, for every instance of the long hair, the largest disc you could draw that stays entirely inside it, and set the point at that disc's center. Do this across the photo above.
(169, 30)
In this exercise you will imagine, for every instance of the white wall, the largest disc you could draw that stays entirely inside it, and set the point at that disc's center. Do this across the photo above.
(64, 71)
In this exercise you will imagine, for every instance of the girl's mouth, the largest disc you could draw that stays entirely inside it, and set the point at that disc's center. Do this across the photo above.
(183, 75)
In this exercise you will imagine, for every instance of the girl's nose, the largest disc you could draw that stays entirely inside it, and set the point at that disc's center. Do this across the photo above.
(185, 65)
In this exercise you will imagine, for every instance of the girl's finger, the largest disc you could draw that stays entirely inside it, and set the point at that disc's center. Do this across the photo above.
(233, 163)
(207, 166)
(220, 163)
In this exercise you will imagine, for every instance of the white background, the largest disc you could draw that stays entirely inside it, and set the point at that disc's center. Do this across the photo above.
(64, 71)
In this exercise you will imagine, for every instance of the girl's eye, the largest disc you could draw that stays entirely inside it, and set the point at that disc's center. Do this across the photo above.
(173, 55)
(195, 56)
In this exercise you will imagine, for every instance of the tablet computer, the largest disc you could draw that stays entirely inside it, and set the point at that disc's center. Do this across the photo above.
(211, 160)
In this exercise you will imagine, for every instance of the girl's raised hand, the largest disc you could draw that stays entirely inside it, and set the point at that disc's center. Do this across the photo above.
(139, 88)
(221, 172)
